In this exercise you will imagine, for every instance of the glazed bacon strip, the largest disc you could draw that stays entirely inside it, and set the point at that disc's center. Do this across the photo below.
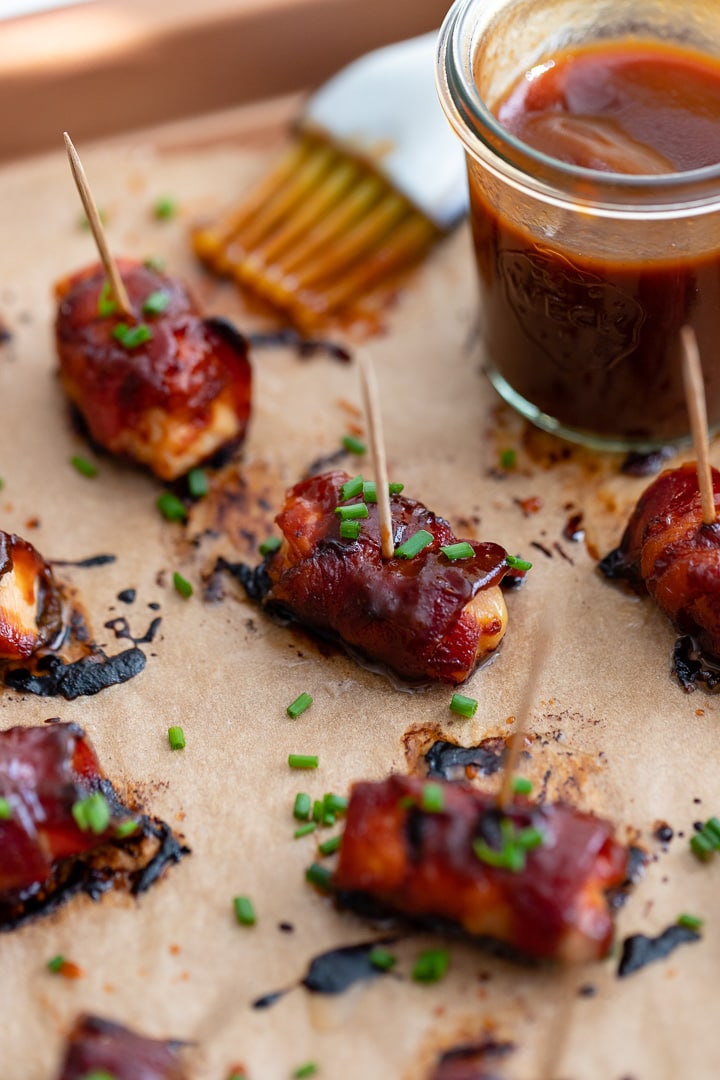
(168, 402)
(44, 772)
(423, 864)
(667, 550)
(426, 617)
(100, 1047)
(30, 603)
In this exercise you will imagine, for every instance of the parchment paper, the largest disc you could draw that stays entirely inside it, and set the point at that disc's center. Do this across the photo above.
(619, 735)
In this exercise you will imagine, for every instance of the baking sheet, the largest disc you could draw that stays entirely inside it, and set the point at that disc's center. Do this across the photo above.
(618, 733)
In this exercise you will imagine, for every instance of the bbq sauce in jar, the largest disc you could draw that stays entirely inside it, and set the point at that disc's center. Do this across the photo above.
(582, 312)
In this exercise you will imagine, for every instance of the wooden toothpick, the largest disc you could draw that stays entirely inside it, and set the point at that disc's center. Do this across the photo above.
(113, 275)
(373, 420)
(695, 399)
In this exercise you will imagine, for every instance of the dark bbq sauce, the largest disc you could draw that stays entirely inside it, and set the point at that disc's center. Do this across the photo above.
(590, 341)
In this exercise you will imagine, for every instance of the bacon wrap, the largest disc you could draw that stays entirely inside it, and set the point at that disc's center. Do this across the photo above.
(30, 604)
(188, 370)
(422, 865)
(407, 613)
(43, 772)
(667, 549)
(101, 1046)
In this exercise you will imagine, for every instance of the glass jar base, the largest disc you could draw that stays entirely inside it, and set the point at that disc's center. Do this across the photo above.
(589, 439)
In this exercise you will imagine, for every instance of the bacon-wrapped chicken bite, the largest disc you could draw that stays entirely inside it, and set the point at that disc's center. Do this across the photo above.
(667, 550)
(30, 603)
(533, 877)
(169, 389)
(101, 1048)
(427, 615)
(57, 810)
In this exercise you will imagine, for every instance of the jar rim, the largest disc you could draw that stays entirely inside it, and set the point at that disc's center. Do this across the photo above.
(489, 142)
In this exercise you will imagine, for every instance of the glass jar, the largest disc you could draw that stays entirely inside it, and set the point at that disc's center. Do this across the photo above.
(585, 277)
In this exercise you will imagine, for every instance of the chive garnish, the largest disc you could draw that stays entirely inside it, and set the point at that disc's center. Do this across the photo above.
(521, 785)
(352, 512)
(182, 586)
(381, 958)
(197, 483)
(154, 262)
(83, 466)
(329, 847)
(5, 810)
(508, 459)
(107, 304)
(164, 208)
(463, 706)
(350, 530)
(318, 810)
(126, 828)
(431, 965)
(156, 302)
(56, 964)
(305, 830)
(353, 445)
(351, 488)
(302, 807)
(707, 840)
(328, 818)
(369, 490)
(517, 564)
(270, 546)
(171, 508)
(414, 545)
(461, 550)
(515, 843)
(691, 922)
(319, 876)
(299, 705)
(336, 804)
(92, 814)
(308, 1069)
(99, 1074)
(433, 798)
(176, 738)
(303, 761)
(131, 336)
(244, 911)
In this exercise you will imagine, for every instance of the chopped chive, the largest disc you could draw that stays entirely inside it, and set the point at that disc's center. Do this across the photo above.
(99, 1074)
(236, 1075)
(351, 488)
(350, 530)
(319, 876)
(107, 305)
(127, 828)
(512, 852)
(305, 830)
(353, 445)
(414, 544)
(433, 798)
(521, 785)
(308, 1069)
(176, 738)
(329, 847)
(182, 586)
(244, 911)
(299, 705)
(431, 965)
(328, 818)
(381, 958)
(464, 706)
(197, 483)
(92, 814)
(711, 829)
(508, 459)
(461, 550)
(171, 508)
(83, 466)
(156, 302)
(352, 512)
(270, 546)
(164, 208)
(303, 761)
(336, 804)
(701, 846)
(5, 810)
(2, 483)
(318, 810)
(517, 564)
(56, 964)
(132, 336)
(691, 922)
(369, 490)
(302, 807)
(154, 262)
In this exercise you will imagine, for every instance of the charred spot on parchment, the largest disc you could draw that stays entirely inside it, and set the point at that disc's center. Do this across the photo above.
(692, 669)
(237, 514)
(471, 1060)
